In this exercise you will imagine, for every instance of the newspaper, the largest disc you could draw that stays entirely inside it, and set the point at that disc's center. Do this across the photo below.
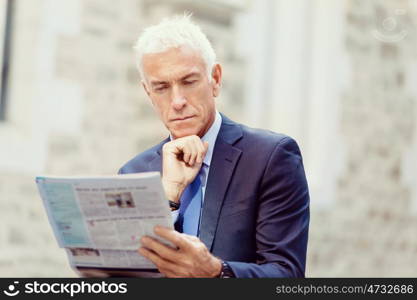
(100, 220)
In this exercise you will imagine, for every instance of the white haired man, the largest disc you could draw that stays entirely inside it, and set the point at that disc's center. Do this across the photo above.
(239, 195)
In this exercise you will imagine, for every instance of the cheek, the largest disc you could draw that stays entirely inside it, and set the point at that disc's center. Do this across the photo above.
(160, 107)
(205, 101)
(208, 107)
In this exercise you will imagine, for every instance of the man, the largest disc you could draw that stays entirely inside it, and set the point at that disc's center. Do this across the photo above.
(242, 194)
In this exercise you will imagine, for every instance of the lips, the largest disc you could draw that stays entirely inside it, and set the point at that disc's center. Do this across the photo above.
(182, 119)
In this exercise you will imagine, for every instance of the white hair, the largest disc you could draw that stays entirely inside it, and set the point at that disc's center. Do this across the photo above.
(174, 32)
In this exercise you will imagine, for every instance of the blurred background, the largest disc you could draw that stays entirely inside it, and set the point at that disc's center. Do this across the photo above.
(338, 76)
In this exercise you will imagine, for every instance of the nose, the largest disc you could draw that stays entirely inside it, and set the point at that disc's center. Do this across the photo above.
(178, 99)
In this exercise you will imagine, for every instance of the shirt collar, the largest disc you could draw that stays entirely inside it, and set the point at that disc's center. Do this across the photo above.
(210, 137)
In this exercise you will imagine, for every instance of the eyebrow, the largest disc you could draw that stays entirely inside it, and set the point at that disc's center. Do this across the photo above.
(156, 82)
(190, 75)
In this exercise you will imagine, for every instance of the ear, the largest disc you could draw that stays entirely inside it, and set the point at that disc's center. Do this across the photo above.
(216, 76)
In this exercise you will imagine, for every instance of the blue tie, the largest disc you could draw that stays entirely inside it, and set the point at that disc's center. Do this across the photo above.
(190, 209)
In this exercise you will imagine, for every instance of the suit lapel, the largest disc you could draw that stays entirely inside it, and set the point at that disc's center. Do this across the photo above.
(156, 163)
(223, 163)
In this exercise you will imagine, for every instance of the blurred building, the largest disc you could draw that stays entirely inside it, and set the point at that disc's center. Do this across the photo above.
(336, 75)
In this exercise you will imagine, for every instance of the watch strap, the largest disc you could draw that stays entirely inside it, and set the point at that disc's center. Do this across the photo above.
(173, 205)
(226, 271)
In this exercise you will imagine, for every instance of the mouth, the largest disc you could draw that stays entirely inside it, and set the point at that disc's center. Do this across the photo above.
(182, 119)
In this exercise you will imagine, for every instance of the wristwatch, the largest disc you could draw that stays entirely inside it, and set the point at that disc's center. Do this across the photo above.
(173, 205)
(226, 271)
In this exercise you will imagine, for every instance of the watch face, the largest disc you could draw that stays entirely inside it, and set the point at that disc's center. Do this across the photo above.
(174, 205)
(226, 271)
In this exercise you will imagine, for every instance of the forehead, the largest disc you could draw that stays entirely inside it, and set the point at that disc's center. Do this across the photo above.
(172, 64)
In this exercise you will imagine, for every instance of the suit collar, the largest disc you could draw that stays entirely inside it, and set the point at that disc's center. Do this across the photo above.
(230, 132)
(159, 147)
(155, 164)
(223, 164)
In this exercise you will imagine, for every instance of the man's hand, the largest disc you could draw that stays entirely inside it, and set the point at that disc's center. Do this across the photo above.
(190, 259)
(181, 161)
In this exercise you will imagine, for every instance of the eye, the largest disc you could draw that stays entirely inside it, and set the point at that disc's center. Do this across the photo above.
(189, 82)
(160, 88)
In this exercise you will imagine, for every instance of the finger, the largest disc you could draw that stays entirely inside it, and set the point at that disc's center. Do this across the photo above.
(202, 147)
(162, 265)
(204, 150)
(199, 150)
(199, 159)
(176, 238)
(187, 154)
(153, 257)
(195, 150)
(191, 238)
(193, 157)
(164, 251)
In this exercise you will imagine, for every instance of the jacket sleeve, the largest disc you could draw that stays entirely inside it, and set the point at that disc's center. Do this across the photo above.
(282, 217)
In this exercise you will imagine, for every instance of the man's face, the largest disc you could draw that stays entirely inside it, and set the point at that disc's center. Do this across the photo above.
(176, 82)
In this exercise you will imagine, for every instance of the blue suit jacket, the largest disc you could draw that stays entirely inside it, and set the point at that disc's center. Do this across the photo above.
(256, 206)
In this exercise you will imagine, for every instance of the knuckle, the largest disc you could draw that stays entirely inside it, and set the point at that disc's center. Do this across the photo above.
(200, 248)
(177, 240)
(168, 146)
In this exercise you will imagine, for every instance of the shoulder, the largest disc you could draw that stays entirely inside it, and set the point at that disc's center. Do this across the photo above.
(140, 162)
(263, 140)
(263, 136)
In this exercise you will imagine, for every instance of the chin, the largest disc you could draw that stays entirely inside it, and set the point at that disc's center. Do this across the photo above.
(182, 133)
